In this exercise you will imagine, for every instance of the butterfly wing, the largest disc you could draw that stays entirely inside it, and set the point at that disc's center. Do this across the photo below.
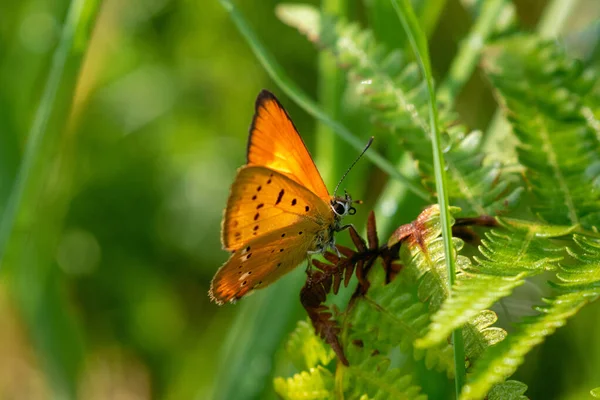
(263, 200)
(275, 143)
(265, 259)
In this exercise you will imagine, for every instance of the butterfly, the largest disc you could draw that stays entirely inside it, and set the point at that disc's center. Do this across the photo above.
(279, 210)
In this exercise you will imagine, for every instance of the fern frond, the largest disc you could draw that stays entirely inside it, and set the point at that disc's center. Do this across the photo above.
(396, 93)
(423, 261)
(370, 375)
(305, 349)
(579, 284)
(543, 93)
(398, 313)
(502, 360)
(314, 384)
(392, 315)
(510, 255)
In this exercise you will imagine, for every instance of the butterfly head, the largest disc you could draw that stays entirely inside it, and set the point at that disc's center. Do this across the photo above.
(342, 206)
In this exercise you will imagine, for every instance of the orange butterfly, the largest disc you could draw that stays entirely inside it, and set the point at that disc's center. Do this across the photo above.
(279, 210)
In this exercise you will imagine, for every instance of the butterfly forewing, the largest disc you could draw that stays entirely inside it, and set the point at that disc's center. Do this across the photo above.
(262, 201)
(275, 143)
(265, 259)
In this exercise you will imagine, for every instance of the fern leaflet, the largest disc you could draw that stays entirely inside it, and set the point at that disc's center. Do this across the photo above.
(579, 284)
(558, 145)
(509, 256)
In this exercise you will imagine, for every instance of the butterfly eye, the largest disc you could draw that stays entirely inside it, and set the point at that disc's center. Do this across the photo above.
(339, 208)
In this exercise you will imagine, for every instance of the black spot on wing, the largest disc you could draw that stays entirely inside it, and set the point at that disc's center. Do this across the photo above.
(280, 196)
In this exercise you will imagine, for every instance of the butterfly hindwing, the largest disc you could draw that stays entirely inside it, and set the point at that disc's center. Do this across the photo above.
(265, 259)
(275, 143)
(262, 201)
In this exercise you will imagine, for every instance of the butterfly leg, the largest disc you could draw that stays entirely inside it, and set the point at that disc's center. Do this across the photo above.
(344, 227)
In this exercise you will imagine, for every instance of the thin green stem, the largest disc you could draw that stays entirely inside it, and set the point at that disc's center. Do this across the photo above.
(76, 17)
(470, 50)
(418, 42)
(277, 73)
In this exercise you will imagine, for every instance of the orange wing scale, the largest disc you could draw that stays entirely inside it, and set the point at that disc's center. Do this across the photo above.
(263, 200)
(275, 143)
(264, 260)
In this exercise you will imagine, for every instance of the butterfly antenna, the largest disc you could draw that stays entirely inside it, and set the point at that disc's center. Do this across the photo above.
(353, 164)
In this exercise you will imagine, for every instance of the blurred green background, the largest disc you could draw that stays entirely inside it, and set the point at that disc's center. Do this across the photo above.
(103, 286)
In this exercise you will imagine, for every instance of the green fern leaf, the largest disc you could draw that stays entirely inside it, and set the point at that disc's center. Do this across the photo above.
(398, 313)
(315, 384)
(427, 269)
(585, 271)
(397, 96)
(509, 390)
(543, 92)
(392, 315)
(579, 284)
(307, 350)
(509, 256)
(502, 360)
(370, 375)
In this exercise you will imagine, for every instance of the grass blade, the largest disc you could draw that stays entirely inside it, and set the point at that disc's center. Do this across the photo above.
(78, 16)
(419, 44)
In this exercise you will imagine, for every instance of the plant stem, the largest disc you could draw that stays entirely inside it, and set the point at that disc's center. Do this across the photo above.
(77, 16)
(277, 73)
(418, 42)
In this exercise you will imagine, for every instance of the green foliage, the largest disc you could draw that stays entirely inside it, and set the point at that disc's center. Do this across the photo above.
(509, 390)
(543, 93)
(315, 384)
(425, 267)
(552, 104)
(395, 92)
(579, 284)
(393, 316)
(370, 375)
(304, 344)
(508, 256)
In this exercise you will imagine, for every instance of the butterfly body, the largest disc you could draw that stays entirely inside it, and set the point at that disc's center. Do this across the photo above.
(279, 210)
